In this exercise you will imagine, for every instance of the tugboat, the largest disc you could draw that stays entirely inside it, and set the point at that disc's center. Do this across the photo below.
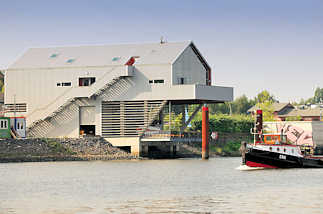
(275, 151)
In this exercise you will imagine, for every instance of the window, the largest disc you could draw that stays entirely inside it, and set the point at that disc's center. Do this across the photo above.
(3, 124)
(66, 84)
(18, 107)
(181, 81)
(58, 84)
(86, 81)
(158, 81)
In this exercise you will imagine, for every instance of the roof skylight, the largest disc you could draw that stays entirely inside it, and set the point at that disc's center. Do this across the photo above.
(114, 59)
(54, 55)
(70, 60)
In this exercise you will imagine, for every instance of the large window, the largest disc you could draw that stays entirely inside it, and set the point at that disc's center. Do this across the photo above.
(86, 81)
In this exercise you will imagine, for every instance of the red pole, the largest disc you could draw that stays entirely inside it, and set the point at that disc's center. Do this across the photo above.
(205, 132)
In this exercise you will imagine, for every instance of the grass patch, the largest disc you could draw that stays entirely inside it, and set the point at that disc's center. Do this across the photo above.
(58, 148)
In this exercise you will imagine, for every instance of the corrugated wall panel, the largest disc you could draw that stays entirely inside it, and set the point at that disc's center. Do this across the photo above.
(125, 118)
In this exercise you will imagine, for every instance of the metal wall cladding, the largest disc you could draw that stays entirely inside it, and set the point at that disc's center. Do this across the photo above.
(128, 118)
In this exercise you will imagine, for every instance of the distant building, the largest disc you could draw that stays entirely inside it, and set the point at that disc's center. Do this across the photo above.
(280, 109)
(113, 91)
(311, 114)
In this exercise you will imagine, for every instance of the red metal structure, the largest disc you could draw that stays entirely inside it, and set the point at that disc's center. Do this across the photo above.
(205, 132)
(259, 126)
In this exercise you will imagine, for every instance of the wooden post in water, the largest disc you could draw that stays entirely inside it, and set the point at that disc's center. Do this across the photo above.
(205, 132)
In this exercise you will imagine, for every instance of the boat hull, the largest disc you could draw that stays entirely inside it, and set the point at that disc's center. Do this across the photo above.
(259, 158)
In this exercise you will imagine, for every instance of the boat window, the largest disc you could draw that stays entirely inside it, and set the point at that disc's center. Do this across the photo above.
(268, 138)
(277, 149)
(270, 148)
(284, 149)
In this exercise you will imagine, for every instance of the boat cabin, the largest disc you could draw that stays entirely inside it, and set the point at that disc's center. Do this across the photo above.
(274, 138)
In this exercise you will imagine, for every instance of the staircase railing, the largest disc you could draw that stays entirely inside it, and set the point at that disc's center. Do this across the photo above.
(71, 93)
(152, 116)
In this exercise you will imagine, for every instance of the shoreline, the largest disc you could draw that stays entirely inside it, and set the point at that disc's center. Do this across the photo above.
(84, 149)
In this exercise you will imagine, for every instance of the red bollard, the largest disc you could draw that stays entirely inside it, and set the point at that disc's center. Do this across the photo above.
(205, 133)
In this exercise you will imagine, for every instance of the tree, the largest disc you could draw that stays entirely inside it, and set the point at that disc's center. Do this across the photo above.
(265, 102)
(318, 95)
(242, 104)
(267, 110)
(264, 96)
(239, 106)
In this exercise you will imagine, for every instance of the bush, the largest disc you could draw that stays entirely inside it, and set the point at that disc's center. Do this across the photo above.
(225, 123)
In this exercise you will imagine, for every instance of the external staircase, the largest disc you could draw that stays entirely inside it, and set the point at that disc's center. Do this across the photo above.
(64, 107)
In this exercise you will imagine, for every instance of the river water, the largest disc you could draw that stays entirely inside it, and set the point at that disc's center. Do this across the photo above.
(157, 186)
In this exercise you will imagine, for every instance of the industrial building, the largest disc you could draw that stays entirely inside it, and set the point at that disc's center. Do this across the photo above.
(119, 92)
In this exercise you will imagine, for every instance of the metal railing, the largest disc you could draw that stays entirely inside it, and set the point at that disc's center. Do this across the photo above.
(172, 135)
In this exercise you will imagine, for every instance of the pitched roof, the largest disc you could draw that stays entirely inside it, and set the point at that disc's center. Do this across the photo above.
(102, 55)
(276, 107)
(304, 113)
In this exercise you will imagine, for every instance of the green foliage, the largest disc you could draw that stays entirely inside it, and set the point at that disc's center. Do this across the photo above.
(176, 122)
(267, 110)
(231, 146)
(318, 95)
(293, 118)
(58, 148)
(242, 104)
(239, 106)
(264, 96)
(2, 83)
(225, 123)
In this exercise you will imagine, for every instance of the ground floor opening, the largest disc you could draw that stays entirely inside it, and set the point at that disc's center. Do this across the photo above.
(87, 130)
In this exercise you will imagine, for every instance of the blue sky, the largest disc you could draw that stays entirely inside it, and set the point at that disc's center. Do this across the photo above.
(251, 45)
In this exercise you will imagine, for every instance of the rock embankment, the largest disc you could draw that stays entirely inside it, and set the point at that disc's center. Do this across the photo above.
(65, 149)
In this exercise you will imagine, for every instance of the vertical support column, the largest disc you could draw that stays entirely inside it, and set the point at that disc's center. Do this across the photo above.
(205, 132)
(183, 115)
